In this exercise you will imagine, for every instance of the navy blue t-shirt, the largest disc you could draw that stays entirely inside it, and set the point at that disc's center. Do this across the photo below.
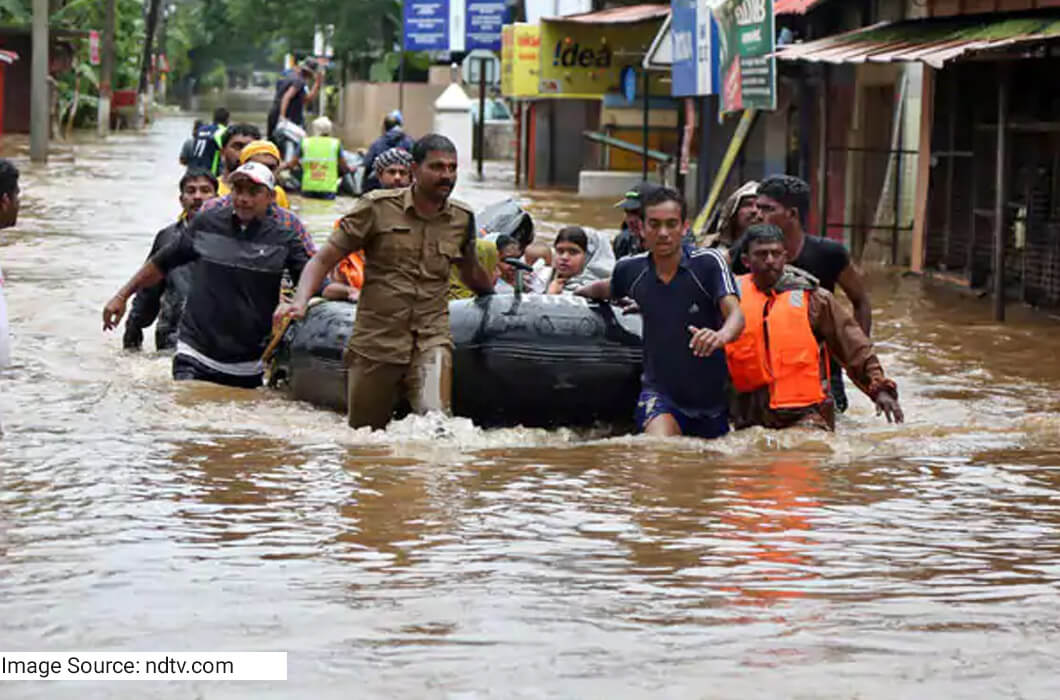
(696, 385)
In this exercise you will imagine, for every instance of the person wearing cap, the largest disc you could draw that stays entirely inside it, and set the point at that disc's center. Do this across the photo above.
(238, 255)
(630, 240)
(265, 153)
(320, 156)
(292, 93)
(165, 300)
(394, 136)
(401, 345)
(258, 151)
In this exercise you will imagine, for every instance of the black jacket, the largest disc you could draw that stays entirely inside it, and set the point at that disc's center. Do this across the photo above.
(164, 301)
(236, 273)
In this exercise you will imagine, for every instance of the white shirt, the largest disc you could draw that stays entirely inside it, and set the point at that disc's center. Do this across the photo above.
(5, 339)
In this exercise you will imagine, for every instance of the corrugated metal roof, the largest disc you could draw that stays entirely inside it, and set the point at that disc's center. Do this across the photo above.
(933, 42)
(617, 15)
(793, 7)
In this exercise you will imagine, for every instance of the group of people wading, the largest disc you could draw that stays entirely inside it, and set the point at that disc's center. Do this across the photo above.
(763, 348)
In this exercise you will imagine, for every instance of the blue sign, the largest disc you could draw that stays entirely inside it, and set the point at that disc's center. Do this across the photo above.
(696, 61)
(628, 79)
(427, 25)
(484, 21)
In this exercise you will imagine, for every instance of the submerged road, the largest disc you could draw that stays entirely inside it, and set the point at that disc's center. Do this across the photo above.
(139, 514)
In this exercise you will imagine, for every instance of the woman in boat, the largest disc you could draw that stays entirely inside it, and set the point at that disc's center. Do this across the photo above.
(579, 257)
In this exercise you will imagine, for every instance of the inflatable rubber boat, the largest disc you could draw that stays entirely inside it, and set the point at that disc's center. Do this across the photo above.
(532, 360)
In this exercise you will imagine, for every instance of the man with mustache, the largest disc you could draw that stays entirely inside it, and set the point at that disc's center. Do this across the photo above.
(411, 236)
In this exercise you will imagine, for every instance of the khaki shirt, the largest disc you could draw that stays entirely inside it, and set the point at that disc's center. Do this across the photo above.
(403, 305)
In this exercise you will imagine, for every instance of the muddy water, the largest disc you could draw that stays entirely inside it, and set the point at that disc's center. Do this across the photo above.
(139, 514)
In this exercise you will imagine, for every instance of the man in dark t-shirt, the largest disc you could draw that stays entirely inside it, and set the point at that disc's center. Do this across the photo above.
(292, 93)
(691, 310)
(783, 201)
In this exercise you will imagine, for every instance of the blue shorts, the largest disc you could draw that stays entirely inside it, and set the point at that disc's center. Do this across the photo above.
(652, 403)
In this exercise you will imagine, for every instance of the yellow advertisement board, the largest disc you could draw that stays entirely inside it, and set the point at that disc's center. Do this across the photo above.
(520, 60)
(581, 60)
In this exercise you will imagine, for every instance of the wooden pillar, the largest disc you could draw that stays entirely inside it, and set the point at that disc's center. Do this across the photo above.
(1000, 195)
(923, 167)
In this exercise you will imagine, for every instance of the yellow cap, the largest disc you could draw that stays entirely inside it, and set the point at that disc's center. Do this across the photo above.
(257, 148)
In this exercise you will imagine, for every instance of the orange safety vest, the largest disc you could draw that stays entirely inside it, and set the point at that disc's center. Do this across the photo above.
(352, 269)
(777, 348)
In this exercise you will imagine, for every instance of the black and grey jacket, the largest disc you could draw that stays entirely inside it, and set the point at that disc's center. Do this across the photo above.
(163, 301)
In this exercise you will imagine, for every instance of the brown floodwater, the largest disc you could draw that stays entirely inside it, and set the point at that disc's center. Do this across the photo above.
(140, 514)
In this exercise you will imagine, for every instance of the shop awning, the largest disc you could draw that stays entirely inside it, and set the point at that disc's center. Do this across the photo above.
(933, 42)
(617, 15)
(8, 57)
(793, 7)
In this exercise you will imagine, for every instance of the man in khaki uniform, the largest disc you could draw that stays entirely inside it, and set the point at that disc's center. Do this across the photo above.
(410, 236)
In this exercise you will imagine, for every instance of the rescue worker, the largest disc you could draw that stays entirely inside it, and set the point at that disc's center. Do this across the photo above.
(784, 200)
(206, 144)
(239, 254)
(320, 156)
(9, 204)
(779, 365)
(736, 215)
(394, 136)
(256, 151)
(401, 343)
(630, 240)
(393, 169)
(691, 311)
(165, 300)
(292, 93)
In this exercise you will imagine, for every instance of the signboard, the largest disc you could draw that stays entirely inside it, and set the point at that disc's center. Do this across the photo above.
(453, 25)
(520, 60)
(485, 18)
(695, 49)
(747, 36)
(93, 47)
(477, 59)
(581, 60)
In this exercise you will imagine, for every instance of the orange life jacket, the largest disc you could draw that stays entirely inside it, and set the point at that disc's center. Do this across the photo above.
(777, 348)
(352, 269)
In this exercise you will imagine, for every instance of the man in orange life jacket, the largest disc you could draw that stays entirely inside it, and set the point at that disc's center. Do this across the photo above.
(779, 365)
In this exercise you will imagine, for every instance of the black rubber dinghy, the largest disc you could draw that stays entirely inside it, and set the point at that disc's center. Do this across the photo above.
(533, 360)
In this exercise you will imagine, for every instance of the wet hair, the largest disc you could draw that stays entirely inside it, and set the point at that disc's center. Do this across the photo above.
(196, 173)
(575, 235)
(790, 191)
(8, 177)
(431, 142)
(759, 233)
(504, 240)
(661, 195)
(220, 116)
(240, 130)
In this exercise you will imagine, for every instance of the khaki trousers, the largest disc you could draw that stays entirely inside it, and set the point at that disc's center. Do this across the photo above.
(374, 388)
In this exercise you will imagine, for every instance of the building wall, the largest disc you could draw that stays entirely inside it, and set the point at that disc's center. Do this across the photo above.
(365, 104)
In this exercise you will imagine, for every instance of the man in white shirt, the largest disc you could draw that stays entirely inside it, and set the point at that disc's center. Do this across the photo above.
(8, 217)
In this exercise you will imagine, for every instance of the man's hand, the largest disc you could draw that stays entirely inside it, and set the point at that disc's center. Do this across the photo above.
(705, 342)
(113, 312)
(287, 310)
(887, 404)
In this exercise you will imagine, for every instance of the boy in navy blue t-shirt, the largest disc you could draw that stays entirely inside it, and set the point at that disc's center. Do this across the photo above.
(691, 311)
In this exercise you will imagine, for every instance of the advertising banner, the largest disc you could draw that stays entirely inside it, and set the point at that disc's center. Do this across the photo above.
(581, 60)
(695, 49)
(453, 25)
(520, 60)
(747, 36)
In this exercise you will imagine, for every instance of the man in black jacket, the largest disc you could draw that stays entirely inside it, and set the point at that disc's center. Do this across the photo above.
(238, 254)
(165, 300)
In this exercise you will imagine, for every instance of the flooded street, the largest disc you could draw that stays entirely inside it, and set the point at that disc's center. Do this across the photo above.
(139, 514)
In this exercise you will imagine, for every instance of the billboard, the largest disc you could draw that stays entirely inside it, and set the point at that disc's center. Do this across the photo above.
(580, 60)
(453, 25)
(695, 48)
(747, 36)
(520, 60)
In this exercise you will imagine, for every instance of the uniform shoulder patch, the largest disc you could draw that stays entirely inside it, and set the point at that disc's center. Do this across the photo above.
(385, 194)
(459, 204)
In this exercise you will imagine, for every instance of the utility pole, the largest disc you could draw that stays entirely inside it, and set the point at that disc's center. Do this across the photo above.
(145, 63)
(39, 117)
(106, 73)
